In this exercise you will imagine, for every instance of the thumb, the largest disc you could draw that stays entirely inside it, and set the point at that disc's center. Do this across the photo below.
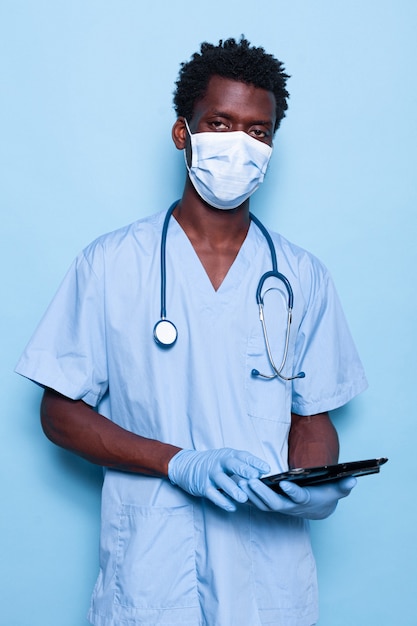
(346, 485)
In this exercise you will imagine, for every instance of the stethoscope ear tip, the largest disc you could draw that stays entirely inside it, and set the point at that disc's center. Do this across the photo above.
(278, 374)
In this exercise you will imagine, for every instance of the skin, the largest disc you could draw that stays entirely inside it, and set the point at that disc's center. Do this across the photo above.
(228, 106)
(216, 236)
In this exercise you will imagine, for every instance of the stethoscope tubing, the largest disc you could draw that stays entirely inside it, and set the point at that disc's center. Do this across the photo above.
(271, 274)
(165, 332)
(163, 261)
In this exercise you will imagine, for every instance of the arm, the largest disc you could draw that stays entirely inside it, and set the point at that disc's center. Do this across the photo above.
(74, 425)
(312, 441)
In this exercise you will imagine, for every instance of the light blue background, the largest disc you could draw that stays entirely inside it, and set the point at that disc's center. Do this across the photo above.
(85, 147)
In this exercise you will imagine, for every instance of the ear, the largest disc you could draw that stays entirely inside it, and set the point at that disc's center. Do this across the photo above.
(179, 133)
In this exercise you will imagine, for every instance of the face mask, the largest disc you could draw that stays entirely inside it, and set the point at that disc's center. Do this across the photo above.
(226, 167)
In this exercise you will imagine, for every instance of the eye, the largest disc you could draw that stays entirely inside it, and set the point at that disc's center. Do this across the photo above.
(218, 125)
(259, 133)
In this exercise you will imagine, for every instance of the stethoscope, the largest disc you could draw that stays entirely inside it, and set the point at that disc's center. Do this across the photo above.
(165, 332)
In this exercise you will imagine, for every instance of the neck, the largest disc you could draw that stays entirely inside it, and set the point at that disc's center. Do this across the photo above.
(215, 235)
(200, 221)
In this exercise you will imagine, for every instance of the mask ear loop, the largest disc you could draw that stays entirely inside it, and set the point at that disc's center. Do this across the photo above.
(191, 147)
(187, 127)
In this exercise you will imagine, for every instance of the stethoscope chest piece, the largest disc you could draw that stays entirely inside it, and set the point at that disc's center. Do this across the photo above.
(165, 333)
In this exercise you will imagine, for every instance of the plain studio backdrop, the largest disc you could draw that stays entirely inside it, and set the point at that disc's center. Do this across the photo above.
(85, 147)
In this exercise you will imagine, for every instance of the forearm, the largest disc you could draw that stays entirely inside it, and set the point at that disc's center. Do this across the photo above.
(313, 441)
(74, 425)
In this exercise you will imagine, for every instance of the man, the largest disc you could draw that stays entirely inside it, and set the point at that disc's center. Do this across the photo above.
(156, 366)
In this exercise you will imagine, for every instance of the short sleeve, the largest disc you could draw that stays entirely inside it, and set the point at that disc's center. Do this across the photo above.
(326, 353)
(67, 351)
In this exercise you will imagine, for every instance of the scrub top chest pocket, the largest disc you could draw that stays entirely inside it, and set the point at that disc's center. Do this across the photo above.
(265, 397)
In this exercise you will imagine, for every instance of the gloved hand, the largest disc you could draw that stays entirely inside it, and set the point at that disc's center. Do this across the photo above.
(205, 473)
(309, 502)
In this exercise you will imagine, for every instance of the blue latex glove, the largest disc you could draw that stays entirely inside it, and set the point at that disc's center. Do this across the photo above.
(205, 473)
(309, 502)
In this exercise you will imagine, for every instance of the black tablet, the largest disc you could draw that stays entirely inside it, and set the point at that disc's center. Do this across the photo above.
(306, 477)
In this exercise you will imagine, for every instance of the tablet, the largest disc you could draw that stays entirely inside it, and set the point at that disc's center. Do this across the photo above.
(306, 477)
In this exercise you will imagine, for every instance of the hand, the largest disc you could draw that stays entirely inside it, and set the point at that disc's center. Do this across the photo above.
(205, 473)
(309, 502)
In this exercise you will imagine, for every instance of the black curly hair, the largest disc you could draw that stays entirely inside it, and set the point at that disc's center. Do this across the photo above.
(230, 59)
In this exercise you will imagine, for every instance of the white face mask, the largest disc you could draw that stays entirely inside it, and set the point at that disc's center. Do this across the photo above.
(226, 167)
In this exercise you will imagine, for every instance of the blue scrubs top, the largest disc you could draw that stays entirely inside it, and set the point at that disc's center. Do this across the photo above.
(167, 557)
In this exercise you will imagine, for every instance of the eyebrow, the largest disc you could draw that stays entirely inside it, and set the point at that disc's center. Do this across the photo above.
(229, 116)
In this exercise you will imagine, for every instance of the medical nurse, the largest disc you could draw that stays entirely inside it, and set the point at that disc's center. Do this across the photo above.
(157, 366)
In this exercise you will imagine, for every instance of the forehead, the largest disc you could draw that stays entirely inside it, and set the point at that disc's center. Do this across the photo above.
(236, 98)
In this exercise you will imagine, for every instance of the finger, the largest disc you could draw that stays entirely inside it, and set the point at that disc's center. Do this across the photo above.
(272, 500)
(247, 465)
(252, 496)
(296, 493)
(220, 500)
(258, 464)
(229, 486)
